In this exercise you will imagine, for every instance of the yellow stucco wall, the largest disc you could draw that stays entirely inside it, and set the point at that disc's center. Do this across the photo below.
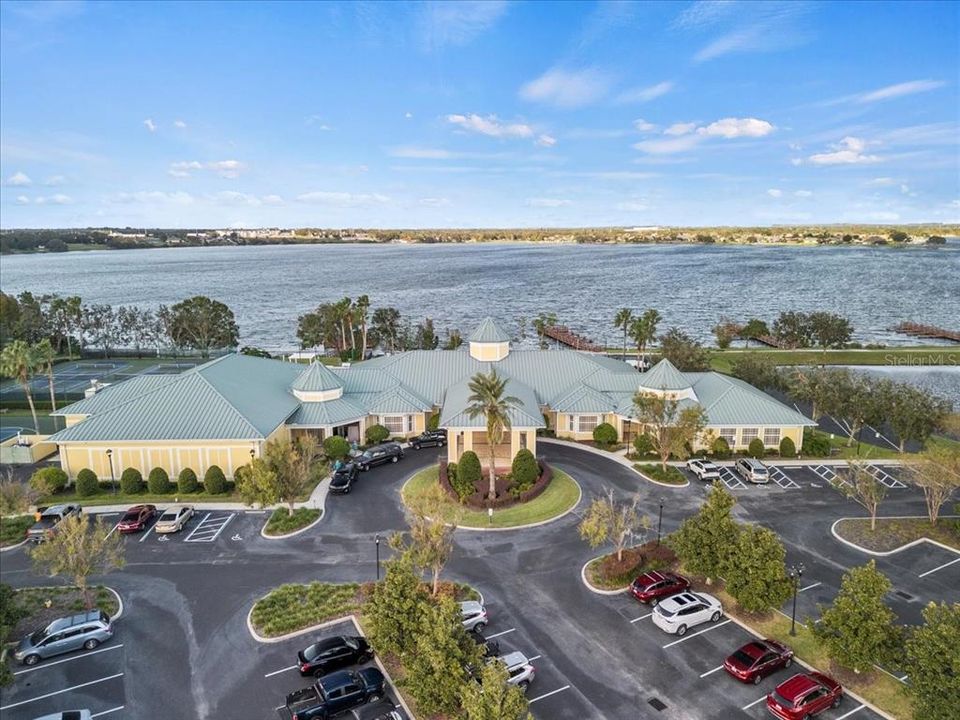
(72, 419)
(563, 419)
(172, 456)
(489, 352)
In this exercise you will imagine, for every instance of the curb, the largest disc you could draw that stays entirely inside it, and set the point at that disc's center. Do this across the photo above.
(263, 530)
(657, 482)
(13, 547)
(620, 459)
(887, 553)
(119, 603)
(598, 591)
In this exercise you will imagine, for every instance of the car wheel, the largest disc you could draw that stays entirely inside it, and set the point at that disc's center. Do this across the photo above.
(479, 626)
(757, 679)
(374, 697)
(788, 662)
(31, 660)
(91, 644)
(715, 616)
(682, 630)
(394, 459)
(524, 685)
(836, 703)
(347, 491)
(653, 603)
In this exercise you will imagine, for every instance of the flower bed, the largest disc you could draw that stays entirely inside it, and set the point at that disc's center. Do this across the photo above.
(670, 476)
(608, 573)
(505, 498)
(892, 533)
(282, 522)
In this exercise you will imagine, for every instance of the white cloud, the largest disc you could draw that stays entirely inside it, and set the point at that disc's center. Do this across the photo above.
(457, 23)
(546, 141)
(667, 146)
(150, 125)
(644, 94)
(633, 206)
(272, 200)
(435, 202)
(23, 200)
(848, 151)
(227, 168)
(183, 168)
(342, 199)
(148, 197)
(567, 89)
(541, 202)
(704, 13)
(231, 197)
(420, 153)
(803, 193)
(55, 180)
(899, 90)
(179, 124)
(737, 127)
(775, 192)
(224, 168)
(408, 115)
(643, 126)
(490, 126)
(19, 179)
(57, 199)
(750, 27)
(881, 182)
(680, 129)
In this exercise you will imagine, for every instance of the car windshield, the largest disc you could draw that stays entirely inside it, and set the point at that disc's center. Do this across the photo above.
(760, 470)
(666, 613)
(351, 643)
(36, 636)
(781, 700)
(168, 516)
(741, 657)
(311, 652)
(367, 454)
(131, 516)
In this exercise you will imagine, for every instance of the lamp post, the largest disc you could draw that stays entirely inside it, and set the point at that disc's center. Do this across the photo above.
(113, 479)
(796, 572)
(377, 541)
(253, 454)
(659, 521)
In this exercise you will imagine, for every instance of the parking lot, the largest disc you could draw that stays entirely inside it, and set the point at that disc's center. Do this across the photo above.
(794, 477)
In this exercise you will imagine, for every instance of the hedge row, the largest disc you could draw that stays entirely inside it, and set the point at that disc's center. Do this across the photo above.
(479, 501)
(158, 483)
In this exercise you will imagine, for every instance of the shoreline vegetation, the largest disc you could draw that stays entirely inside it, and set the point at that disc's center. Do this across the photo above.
(20, 241)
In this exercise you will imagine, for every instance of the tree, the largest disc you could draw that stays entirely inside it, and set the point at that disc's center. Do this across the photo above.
(258, 484)
(788, 448)
(454, 340)
(10, 614)
(525, 470)
(487, 400)
(937, 473)
(858, 628)
(48, 480)
(608, 520)
(100, 325)
(203, 324)
(706, 540)
(541, 323)
(493, 698)
(44, 355)
(757, 369)
(158, 481)
(933, 663)
(623, 319)
(756, 449)
(131, 481)
(288, 471)
(792, 329)
(757, 577)
(684, 352)
(9, 319)
(361, 310)
(912, 412)
(725, 332)
(187, 481)
(468, 475)
(15, 497)
(426, 336)
(87, 483)
(395, 605)
(753, 328)
(431, 538)
(376, 434)
(672, 428)
(17, 361)
(64, 317)
(80, 548)
(335, 447)
(643, 330)
(386, 326)
(829, 330)
(857, 483)
(812, 386)
(214, 481)
(605, 434)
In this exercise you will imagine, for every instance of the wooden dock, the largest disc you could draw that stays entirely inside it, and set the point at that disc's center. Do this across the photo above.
(928, 332)
(565, 336)
(771, 341)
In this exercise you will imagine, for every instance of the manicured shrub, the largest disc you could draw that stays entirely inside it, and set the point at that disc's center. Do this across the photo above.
(87, 483)
(187, 481)
(605, 434)
(469, 474)
(214, 481)
(158, 482)
(376, 434)
(131, 482)
(48, 480)
(720, 449)
(524, 471)
(643, 444)
(755, 449)
(335, 447)
(434, 422)
(787, 448)
(816, 444)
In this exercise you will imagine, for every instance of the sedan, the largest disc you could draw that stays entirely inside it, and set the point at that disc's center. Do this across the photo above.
(173, 519)
(678, 613)
(757, 659)
(704, 469)
(333, 653)
(804, 695)
(430, 438)
(136, 518)
(343, 478)
(653, 586)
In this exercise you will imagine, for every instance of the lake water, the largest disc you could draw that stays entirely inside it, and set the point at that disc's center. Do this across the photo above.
(691, 285)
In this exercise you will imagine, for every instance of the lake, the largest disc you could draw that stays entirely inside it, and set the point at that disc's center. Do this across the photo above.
(691, 285)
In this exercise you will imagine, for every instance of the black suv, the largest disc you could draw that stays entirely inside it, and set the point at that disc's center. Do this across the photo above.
(490, 648)
(333, 694)
(333, 653)
(431, 438)
(343, 478)
(378, 455)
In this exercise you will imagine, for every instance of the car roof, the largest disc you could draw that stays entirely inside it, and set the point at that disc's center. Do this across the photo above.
(73, 620)
(514, 659)
(470, 606)
(57, 508)
(654, 576)
(756, 649)
(327, 643)
(752, 462)
(338, 679)
(797, 686)
(137, 508)
(679, 601)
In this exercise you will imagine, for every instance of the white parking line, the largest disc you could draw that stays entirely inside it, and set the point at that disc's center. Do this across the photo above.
(75, 657)
(211, 531)
(856, 709)
(112, 529)
(60, 692)
(701, 632)
(546, 695)
(939, 567)
(282, 670)
(149, 530)
(226, 522)
(199, 525)
(496, 635)
(747, 707)
(809, 587)
(711, 672)
(535, 657)
(107, 712)
(642, 617)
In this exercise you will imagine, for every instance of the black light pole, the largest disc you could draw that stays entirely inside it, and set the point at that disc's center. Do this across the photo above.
(377, 541)
(113, 479)
(659, 521)
(796, 572)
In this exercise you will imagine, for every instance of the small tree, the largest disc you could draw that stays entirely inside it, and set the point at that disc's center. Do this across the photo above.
(643, 444)
(431, 539)
(608, 520)
(18, 361)
(705, 541)
(525, 470)
(203, 324)
(683, 351)
(725, 332)
(605, 435)
(937, 473)
(290, 464)
(87, 483)
(187, 481)
(469, 472)
(857, 483)
(756, 449)
(858, 627)
(753, 328)
(80, 548)
(672, 428)
(335, 447)
(376, 434)
(214, 481)
(787, 448)
(487, 400)
(492, 698)
(757, 576)
(48, 480)
(131, 481)
(933, 663)
(394, 607)
(433, 422)
(257, 485)
(158, 482)
(721, 449)
(15, 496)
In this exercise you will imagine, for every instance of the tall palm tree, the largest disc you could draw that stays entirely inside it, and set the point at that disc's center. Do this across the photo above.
(643, 330)
(17, 361)
(487, 399)
(362, 307)
(44, 355)
(622, 319)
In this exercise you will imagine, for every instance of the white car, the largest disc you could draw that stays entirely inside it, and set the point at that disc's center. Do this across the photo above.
(519, 669)
(678, 613)
(474, 615)
(704, 469)
(173, 519)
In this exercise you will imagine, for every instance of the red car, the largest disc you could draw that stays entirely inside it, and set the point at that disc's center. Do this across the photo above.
(804, 695)
(136, 518)
(757, 659)
(653, 586)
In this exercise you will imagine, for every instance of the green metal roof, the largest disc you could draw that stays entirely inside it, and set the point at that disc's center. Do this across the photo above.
(331, 412)
(116, 394)
(664, 376)
(317, 378)
(526, 413)
(488, 332)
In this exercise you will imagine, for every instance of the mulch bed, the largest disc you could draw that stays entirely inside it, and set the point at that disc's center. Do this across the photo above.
(609, 572)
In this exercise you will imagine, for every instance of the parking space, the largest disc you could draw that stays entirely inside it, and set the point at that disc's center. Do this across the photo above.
(730, 478)
(780, 477)
(209, 527)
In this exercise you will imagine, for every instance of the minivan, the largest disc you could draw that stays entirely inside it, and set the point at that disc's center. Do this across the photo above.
(86, 630)
(752, 470)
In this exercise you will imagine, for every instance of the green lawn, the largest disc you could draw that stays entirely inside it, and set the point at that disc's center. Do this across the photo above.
(13, 529)
(865, 450)
(289, 608)
(892, 533)
(560, 496)
(722, 360)
(672, 476)
(282, 523)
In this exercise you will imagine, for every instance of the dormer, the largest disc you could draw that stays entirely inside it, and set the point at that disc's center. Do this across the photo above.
(317, 383)
(489, 343)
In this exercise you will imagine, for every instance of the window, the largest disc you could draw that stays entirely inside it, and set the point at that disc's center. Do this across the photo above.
(397, 424)
(523, 441)
(729, 435)
(748, 434)
(771, 436)
(586, 423)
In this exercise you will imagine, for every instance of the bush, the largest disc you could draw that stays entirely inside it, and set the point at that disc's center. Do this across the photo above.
(720, 449)
(87, 483)
(787, 448)
(524, 470)
(469, 474)
(335, 447)
(434, 422)
(158, 482)
(755, 449)
(48, 480)
(214, 481)
(131, 482)
(376, 434)
(670, 476)
(643, 444)
(816, 444)
(187, 481)
(605, 434)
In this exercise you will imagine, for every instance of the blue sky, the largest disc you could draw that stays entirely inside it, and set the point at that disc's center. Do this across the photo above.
(488, 114)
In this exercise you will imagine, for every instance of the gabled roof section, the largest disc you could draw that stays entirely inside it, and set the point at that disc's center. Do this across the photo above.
(582, 399)
(489, 332)
(330, 412)
(117, 394)
(729, 401)
(317, 378)
(664, 376)
(526, 413)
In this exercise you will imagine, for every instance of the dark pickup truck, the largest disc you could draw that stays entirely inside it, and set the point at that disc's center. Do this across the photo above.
(50, 517)
(333, 694)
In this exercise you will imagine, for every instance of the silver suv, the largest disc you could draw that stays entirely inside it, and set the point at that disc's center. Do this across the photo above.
(753, 471)
(474, 615)
(86, 630)
(519, 669)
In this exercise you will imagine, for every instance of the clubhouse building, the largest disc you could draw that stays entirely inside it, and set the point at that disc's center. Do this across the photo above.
(224, 412)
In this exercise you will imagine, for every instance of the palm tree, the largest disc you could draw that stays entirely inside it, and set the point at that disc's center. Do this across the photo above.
(622, 319)
(17, 361)
(44, 356)
(643, 330)
(541, 323)
(362, 307)
(343, 315)
(487, 399)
